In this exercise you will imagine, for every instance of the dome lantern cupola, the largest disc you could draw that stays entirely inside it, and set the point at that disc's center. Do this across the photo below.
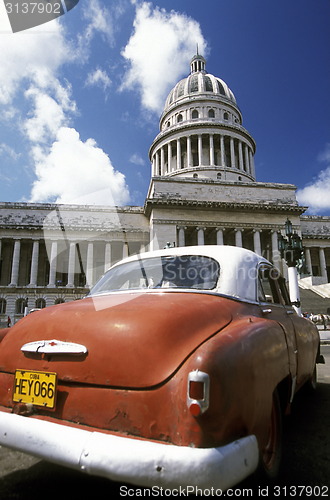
(201, 132)
(197, 63)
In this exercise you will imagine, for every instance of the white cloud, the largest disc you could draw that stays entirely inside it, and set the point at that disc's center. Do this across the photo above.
(100, 20)
(159, 52)
(8, 151)
(76, 170)
(47, 117)
(99, 78)
(317, 194)
(35, 57)
(66, 169)
(136, 159)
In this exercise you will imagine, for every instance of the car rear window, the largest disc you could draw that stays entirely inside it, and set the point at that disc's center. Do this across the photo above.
(184, 271)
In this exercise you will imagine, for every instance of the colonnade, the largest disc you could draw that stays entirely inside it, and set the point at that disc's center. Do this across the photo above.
(218, 234)
(316, 261)
(203, 150)
(82, 262)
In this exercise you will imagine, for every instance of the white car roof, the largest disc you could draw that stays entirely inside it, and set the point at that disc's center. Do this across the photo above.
(238, 267)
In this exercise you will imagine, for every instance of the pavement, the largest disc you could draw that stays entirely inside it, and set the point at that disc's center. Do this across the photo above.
(324, 335)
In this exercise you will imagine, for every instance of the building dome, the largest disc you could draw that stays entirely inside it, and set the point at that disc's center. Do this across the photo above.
(197, 83)
(201, 133)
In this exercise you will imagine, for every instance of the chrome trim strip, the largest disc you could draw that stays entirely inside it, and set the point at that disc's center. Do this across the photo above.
(54, 347)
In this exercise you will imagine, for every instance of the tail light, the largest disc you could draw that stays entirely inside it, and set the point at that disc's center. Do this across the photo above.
(198, 392)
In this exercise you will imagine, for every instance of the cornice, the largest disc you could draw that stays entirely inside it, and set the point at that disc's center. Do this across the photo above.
(221, 206)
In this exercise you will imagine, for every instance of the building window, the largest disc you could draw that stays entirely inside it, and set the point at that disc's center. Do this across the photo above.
(3, 306)
(194, 83)
(59, 301)
(194, 114)
(220, 88)
(211, 113)
(208, 84)
(40, 303)
(20, 306)
(225, 116)
(179, 118)
(195, 176)
(218, 175)
(181, 88)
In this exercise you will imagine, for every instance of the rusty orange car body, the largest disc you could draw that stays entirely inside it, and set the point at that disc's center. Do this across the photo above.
(174, 370)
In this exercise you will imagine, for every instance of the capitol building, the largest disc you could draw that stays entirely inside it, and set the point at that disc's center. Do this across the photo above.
(203, 190)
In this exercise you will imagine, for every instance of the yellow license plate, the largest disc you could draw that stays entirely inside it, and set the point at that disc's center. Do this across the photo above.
(37, 388)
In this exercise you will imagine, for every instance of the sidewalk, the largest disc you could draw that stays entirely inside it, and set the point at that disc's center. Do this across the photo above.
(324, 335)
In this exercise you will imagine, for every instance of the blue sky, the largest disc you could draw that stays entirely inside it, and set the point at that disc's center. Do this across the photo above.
(81, 96)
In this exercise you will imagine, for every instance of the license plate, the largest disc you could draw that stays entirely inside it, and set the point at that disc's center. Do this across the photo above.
(37, 388)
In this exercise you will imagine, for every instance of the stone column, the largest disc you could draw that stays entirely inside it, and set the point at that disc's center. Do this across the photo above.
(232, 153)
(247, 166)
(162, 161)
(107, 256)
(72, 264)
(169, 157)
(200, 235)
(15, 263)
(157, 163)
(251, 161)
(178, 154)
(90, 264)
(308, 260)
(323, 265)
(200, 150)
(188, 151)
(222, 150)
(125, 250)
(240, 156)
(238, 238)
(211, 150)
(181, 236)
(276, 256)
(219, 236)
(34, 264)
(52, 264)
(257, 241)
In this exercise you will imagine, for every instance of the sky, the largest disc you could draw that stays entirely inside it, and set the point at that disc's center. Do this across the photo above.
(81, 95)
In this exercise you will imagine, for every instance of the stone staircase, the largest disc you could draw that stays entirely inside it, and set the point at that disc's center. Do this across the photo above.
(313, 302)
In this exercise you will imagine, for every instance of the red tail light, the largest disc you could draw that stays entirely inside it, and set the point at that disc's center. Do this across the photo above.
(198, 392)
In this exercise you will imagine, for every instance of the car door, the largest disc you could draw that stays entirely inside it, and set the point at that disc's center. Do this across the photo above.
(274, 305)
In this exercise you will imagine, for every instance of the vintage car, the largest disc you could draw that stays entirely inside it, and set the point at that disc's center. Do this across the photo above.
(174, 371)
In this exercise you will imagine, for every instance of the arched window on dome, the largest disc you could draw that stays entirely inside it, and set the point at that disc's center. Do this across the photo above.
(211, 113)
(220, 88)
(179, 118)
(226, 116)
(59, 301)
(195, 176)
(181, 88)
(208, 84)
(193, 84)
(194, 114)
(219, 176)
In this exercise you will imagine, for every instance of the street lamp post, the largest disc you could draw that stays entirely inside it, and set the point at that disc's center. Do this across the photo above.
(291, 250)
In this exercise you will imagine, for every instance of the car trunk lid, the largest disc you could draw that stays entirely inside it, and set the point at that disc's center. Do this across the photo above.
(132, 340)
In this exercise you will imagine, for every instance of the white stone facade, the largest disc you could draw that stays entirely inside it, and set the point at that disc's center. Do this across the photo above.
(203, 190)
